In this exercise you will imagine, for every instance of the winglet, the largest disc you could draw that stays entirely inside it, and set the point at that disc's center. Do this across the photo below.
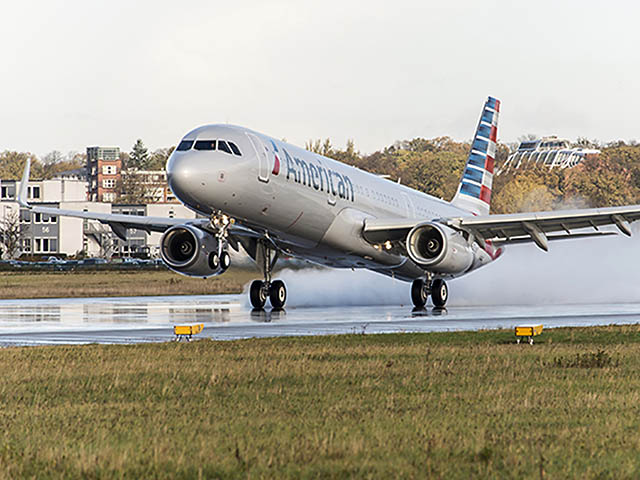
(22, 194)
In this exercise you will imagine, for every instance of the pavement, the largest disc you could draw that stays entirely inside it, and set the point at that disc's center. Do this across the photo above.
(226, 317)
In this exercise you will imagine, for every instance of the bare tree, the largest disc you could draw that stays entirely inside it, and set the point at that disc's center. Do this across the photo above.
(11, 235)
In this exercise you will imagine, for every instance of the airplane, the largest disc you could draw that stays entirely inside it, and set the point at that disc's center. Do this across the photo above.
(272, 199)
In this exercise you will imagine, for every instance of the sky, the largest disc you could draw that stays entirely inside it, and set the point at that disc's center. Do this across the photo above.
(79, 73)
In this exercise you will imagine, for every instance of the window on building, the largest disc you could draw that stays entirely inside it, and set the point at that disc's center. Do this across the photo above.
(109, 169)
(5, 192)
(35, 191)
(109, 183)
(26, 245)
(37, 217)
(108, 197)
(45, 245)
(222, 145)
(205, 145)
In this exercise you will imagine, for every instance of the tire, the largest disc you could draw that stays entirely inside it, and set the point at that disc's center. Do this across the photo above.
(278, 294)
(419, 294)
(225, 261)
(439, 293)
(257, 294)
(214, 261)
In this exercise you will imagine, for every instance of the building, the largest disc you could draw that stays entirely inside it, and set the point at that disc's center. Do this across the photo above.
(56, 190)
(104, 173)
(549, 151)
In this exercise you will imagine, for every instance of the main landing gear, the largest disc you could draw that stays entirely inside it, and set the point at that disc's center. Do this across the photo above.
(260, 290)
(421, 289)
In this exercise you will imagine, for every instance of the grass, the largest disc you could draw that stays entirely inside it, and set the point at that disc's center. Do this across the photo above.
(109, 283)
(441, 405)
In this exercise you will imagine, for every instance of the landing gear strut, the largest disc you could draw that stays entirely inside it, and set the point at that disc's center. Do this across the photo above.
(421, 289)
(260, 290)
(220, 223)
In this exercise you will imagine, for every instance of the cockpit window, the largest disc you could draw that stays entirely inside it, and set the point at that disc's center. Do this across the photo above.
(222, 145)
(185, 145)
(205, 145)
(234, 148)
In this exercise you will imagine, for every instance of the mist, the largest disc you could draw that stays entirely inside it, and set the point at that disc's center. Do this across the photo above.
(585, 271)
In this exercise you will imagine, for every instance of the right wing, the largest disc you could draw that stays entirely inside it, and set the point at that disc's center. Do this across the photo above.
(538, 227)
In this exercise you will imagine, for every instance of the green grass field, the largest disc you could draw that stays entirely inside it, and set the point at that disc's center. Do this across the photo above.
(109, 283)
(441, 405)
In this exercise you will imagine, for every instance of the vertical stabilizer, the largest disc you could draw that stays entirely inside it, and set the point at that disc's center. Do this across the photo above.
(474, 190)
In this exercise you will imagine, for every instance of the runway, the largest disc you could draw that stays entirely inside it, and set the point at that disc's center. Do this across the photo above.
(225, 317)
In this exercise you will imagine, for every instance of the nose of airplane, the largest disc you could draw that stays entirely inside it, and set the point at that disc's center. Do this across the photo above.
(181, 175)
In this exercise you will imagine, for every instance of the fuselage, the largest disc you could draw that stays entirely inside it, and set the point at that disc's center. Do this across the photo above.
(311, 206)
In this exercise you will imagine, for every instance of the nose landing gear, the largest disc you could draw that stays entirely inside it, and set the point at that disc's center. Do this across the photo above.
(260, 290)
(421, 289)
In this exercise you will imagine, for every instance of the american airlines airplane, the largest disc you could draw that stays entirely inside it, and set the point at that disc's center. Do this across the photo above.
(272, 198)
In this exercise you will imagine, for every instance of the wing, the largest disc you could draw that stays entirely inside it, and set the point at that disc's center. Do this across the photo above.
(538, 227)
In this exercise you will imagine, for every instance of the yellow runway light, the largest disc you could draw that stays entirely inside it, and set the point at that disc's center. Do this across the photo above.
(528, 331)
(185, 332)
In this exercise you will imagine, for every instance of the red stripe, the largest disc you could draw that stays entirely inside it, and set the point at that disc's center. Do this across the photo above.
(489, 164)
(485, 194)
(497, 105)
(494, 133)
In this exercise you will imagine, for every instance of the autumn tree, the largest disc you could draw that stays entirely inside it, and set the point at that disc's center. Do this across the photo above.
(158, 159)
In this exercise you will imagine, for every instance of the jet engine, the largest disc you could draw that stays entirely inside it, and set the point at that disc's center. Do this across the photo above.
(190, 251)
(439, 249)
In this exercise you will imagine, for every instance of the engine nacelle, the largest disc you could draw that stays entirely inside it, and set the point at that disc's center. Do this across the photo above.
(190, 251)
(439, 249)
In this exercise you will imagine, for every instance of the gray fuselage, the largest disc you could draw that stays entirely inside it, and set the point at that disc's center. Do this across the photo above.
(311, 206)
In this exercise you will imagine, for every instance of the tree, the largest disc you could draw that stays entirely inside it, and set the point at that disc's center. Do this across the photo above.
(139, 157)
(132, 188)
(12, 165)
(11, 235)
(158, 159)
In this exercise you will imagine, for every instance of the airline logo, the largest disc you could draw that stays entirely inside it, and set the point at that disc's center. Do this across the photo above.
(475, 188)
(276, 162)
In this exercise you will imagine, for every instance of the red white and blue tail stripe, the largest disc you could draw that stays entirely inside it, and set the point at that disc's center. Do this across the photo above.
(474, 191)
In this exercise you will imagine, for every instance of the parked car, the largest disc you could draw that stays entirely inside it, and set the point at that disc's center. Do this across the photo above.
(93, 261)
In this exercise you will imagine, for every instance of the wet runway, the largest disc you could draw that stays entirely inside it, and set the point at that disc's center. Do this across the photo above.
(151, 319)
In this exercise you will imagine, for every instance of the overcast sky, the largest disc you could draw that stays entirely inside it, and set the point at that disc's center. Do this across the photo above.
(77, 73)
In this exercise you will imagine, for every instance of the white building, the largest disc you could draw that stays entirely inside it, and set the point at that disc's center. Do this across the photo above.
(548, 151)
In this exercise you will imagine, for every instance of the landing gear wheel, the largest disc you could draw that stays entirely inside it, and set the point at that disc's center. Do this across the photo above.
(225, 261)
(214, 261)
(439, 293)
(277, 294)
(419, 293)
(257, 294)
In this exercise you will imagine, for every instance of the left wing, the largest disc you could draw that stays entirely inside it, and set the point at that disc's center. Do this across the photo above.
(539, 227)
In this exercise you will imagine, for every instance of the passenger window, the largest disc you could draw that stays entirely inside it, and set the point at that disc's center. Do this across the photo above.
(205, 145)
(235, 149)
(185, 145)
(222, 145)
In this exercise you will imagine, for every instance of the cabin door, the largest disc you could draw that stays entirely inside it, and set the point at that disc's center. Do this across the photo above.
(263, 159)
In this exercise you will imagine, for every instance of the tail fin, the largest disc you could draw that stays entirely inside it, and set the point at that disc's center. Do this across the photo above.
(474, 191)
